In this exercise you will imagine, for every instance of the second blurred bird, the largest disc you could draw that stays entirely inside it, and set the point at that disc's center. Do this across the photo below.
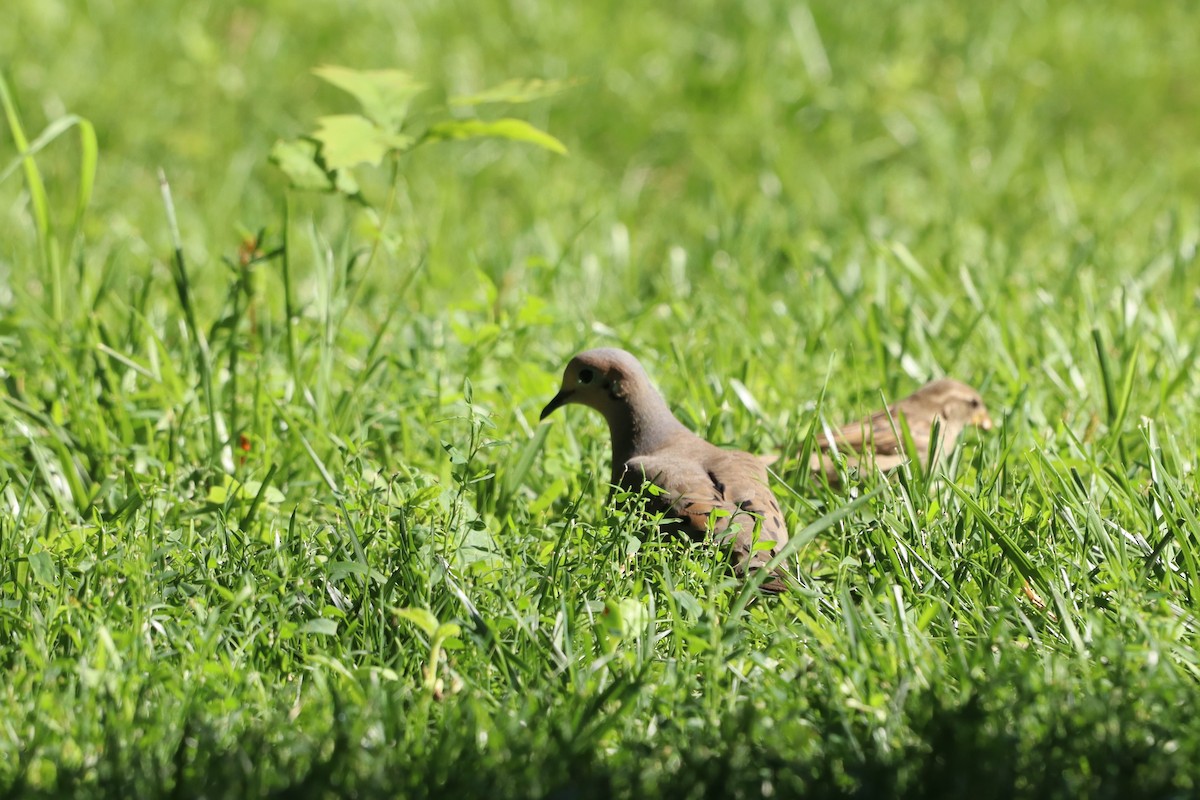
(875, 442)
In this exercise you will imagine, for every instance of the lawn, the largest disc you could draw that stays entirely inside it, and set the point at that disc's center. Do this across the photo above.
(278, 517)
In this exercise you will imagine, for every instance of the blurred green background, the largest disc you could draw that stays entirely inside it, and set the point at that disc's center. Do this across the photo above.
(785, 209)
(757, 127)
(762, 160)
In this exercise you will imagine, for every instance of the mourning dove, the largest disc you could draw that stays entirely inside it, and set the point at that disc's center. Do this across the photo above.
(649, 445)
(955, 405)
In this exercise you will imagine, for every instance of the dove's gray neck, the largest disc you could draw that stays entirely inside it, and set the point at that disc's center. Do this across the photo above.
(639, 423)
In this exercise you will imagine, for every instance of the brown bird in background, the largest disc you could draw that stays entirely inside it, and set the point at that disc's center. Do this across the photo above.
(650, 446)
(876, 440)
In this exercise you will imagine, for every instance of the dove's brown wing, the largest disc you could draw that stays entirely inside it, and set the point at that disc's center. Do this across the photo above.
(876, 440)
(876, 432)
(870, 441)
(715, 480)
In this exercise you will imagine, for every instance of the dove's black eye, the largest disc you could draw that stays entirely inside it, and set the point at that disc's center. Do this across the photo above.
(976, 402)
(586, 375)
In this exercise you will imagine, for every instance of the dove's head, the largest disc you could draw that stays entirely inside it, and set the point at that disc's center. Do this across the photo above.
(614, 383)
(956, 403)
(605, 379)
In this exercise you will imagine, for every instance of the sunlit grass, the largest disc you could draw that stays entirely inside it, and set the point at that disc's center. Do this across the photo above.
(273, 522)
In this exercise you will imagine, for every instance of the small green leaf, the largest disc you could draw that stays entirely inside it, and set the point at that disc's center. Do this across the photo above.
(271, 496)
(320, 626)
(517, 130)
(384, 94)
(517, 90)
(344, 183)
(624, 618)
(298, 160)
(422, 618)
(338, 570)
(446, 632)
(688, 602)
(41, 564)
(348, 140)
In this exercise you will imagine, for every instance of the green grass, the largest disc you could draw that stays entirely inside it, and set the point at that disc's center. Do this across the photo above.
(234, 520)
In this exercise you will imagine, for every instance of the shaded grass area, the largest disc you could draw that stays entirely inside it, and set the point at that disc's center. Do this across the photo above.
(1002, 741)
(279, 522)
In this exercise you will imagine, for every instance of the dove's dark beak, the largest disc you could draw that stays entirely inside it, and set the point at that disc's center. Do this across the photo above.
(560, 399)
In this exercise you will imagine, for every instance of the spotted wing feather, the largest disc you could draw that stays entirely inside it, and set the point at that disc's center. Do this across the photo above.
(731, 483)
